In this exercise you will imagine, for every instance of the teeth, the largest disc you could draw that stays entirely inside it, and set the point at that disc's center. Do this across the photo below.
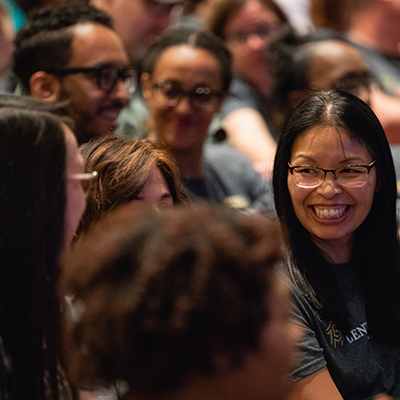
(330, 213)
(111, 114)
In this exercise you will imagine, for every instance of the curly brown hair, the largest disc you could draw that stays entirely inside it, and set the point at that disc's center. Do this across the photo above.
(162, 295)
(123, 165)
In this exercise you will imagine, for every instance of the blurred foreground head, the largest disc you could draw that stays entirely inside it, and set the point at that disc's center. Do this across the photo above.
(181, 304)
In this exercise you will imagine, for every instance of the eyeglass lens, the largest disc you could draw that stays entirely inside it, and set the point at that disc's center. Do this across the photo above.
(85, 179)
(169, 94)
(108, 77)
(262, 31)
(311, 177)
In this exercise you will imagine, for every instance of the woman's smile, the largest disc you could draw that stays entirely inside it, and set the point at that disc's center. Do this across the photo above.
(330, 211)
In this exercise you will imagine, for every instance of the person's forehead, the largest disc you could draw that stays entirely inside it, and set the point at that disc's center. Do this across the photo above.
(333, 59)
(94, 44)
(249, 14)
(183, 63)
(335, 49)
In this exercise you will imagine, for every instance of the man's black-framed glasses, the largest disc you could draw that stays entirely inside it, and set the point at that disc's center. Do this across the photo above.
(107, 76)
(169, 94)
(305, 176)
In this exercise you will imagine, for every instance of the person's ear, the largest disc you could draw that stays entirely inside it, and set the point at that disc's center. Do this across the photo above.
(44, 86)
(105, 5)
(146, 86)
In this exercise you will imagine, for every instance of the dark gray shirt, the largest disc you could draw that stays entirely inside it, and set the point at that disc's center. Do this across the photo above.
(229, 178)
(359, 366)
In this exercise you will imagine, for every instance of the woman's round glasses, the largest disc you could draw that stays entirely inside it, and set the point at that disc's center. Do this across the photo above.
(170, 94)
(86, 179)
(349, 176)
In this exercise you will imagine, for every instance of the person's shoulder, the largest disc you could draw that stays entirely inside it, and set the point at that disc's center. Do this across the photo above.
(239, 86)
(224, 155)
(241, 95)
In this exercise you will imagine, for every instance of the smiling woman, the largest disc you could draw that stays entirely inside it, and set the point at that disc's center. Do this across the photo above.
(335, 193)
(186, 75)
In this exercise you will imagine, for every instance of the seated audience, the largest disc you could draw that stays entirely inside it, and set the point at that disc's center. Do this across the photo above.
(43, 193)
(374, 28)
(185, 304)
(186, 76)
(129, 171)
(140, 23)
(247, 28)
(334, 15)
(302, 64)
(335, 194)
(325, 61)
(298, 13)
(71, 52)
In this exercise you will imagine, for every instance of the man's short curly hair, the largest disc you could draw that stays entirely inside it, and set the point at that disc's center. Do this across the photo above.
(44, 42)
(162, 295)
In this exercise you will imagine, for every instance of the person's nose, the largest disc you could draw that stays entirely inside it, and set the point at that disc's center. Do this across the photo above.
(329, 187)
(120, 93)
(155, 206)
(184, 105)
(256, 42)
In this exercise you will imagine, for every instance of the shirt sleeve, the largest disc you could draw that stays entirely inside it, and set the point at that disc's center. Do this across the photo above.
(311, 354)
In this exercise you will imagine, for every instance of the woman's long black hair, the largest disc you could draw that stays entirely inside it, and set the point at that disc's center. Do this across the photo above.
(376, 252)
(32, 198)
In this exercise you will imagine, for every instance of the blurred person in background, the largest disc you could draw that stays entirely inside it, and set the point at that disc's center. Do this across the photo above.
(372, 26)
(139, 23)
(186, 77)
(247, 27)
(325, 60)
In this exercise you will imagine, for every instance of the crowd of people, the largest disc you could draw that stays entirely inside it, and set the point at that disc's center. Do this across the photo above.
(199, 200)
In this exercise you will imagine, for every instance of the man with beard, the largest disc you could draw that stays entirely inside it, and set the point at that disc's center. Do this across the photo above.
(72, 53)
(139, 23)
